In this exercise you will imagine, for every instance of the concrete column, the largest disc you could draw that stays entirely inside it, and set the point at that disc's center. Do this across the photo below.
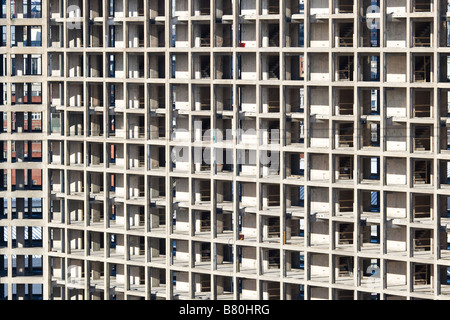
(155, 277)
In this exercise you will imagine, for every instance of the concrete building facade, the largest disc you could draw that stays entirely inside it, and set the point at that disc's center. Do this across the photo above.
(225, 149)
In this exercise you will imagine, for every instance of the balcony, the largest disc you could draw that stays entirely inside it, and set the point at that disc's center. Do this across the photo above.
(345, 38)
(345, 68)
(422, 34)
(421, 6)
(422, 138)
(422, 207)
(344, 6)
(345, 135)
(422, 172)
(422, 68)
(345, 168)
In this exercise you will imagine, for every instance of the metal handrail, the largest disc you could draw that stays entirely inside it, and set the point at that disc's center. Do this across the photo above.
(205, 167)
(205, 42)
(205, 105)
(421, 213)
(345, 41)
(141, 132)
(273, 9)
(204, 11)
(420, 76)
(141, 161)
(421, 6)
(345, 107)
(141, 190)
(345, 8)
(344, 74)
(419, 41)
(422, 243)
(345, 138)
(273, 108)
(422, 109)
(425, 144)
(204, 197)
(271, 202)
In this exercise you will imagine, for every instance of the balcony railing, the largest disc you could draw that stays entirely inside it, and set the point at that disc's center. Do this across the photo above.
(274, 106)
(141, 103)
(345, 173)
(205, 225)
(345, 74)
(422, 110)
(346, 108)
(420, 76)
(345, 8)
(346, 140)
(345, 237)
(141, 132)
(205, 196)
(421, 144)
(273, 200)
(205, 104)
(273, 9)
(205, 42)
(141, 161)
(422, 42)
(205, 10)
(345, 41)
(421, 211)
(423, 6)
(422, 244)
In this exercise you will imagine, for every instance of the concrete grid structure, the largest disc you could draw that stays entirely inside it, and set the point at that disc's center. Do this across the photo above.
(225, 149)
